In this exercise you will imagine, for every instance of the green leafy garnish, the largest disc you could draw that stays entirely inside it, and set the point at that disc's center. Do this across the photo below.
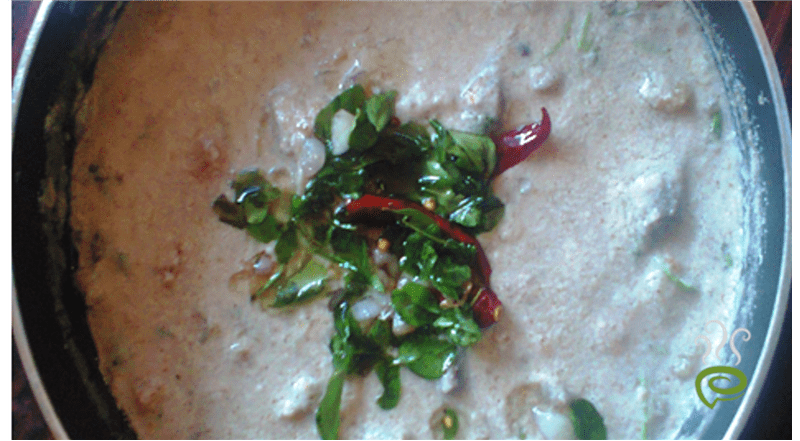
(380, 109)
(584, 42)
(265, 231)
(564, 35)
(586, 421)
(415, 304)
(478, 212)
(389, 375)
(308, 283)
(444, 170)
(287, 243)
(678, 281)
(253, 204)
(363, 135)
(426, 355)
(350, 100)
(450, 424)
(327, 416)
(459, 328)
(443, 264)
(716, 124)
(474, 154)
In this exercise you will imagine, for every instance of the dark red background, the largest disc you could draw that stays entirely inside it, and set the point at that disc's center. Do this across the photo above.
(774, 409)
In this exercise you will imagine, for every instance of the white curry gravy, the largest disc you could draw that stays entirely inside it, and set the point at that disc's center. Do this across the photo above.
(634, 182)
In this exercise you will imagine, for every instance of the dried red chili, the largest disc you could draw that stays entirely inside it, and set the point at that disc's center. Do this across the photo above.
(487, 308)
(515, 146)
(512, 148)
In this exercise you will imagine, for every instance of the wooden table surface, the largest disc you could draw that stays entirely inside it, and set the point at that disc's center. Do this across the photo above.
(27, 420)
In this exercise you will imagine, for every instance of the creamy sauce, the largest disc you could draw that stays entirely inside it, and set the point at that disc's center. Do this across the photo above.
(632, 180)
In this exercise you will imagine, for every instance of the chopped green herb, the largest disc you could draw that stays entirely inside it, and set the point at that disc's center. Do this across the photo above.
(586, 421)
(475, 154)
(229, 212)
(716, 124)
(381, 333)
(678, 281)
(253, 206)
(363, 135)
(265, 231)
(584, 42)
(564, 35)
(728, 260)
(450, 424)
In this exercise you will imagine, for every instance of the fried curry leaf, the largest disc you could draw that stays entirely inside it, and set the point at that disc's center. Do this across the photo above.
(381, 333)
(229, 212)
(308, 283)
(247, 180)
(441, 262)
(449, 277)
(287, 243)
(458, 327)
(351, 100)
(415, 304)
(266, 231)
(426, 355)
(586, 421)
(380, 109)
(473, 153)
(341, 346)
(389, 375)
(478, 213)
(327, 416)
(252, 207)
(363, 135)
(351, 251)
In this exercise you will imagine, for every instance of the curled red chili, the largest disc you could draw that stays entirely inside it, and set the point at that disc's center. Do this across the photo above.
(512, 148)
(516, 145)
(372, 202)
(487, 308)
